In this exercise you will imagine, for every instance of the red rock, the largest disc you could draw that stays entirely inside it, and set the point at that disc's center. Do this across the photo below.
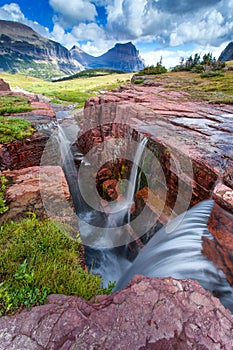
(4, 86)
(220, 251)
(224, 196)
(110, 189)
(43, 108)
(148, 314)
(22, 154)
(42, 190)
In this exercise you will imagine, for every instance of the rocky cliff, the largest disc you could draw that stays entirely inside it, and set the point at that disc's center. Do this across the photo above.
(23, 50)
(227, 53)
(124, 57)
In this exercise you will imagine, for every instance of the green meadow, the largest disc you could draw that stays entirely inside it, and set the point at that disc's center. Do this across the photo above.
(68, 91)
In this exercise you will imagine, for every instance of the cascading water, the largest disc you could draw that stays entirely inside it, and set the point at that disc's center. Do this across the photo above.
(175, 250)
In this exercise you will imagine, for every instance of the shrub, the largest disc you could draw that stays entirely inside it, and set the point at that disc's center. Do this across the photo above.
(197, 65)
(37, 259)
(158, 69)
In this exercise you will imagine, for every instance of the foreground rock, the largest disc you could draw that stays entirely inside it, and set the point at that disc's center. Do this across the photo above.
(4, 86)
(149, 314)
(42, 190)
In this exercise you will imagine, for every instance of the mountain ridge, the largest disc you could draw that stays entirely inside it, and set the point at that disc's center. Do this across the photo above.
(124, 57)
(24, 50)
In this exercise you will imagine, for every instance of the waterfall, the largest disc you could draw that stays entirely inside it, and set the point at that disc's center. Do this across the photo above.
(176, 250)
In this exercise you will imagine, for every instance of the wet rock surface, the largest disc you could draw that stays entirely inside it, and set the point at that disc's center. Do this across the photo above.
(148, 314)
(192, 141)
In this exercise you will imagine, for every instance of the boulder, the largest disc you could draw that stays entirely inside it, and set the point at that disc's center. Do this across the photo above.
(4, 86)
(42, 190)
(163, 314)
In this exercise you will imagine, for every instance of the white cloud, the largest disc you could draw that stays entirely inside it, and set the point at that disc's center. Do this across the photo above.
(90, 31)
(98, 47)
(58, 34)
(73, 11)
(209, 29)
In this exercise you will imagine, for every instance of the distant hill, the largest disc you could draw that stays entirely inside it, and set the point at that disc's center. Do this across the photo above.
(24, 51)
(227, 53)
(93, 72)
(124, 57)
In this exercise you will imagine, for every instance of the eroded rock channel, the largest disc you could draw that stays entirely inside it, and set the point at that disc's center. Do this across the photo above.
(188, 158)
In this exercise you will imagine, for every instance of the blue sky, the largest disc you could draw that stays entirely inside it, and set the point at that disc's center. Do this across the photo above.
(167, 28)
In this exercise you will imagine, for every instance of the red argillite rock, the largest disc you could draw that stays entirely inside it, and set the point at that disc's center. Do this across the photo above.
(162, 314)
(42, 190)
(4, 86)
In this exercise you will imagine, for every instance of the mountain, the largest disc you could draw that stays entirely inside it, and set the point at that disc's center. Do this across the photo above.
(227, 53)
(124, 57)
(24, 51)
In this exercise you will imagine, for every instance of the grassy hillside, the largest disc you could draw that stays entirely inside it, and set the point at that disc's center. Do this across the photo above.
(71, 91)
(217, 88)
(213, 88)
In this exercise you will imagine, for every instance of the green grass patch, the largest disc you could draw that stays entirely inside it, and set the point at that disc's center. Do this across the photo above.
(138, 81)
(70, 91)
(211, 74)
(14, 129)
(88, 73)
(38, 259)
(3, 206)
(14, 104)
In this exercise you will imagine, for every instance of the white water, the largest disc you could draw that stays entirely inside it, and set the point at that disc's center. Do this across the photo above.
(179, 254)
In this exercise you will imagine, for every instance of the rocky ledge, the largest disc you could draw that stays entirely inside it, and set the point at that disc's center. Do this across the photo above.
(192, 141)
(148, 314)
(42, 190)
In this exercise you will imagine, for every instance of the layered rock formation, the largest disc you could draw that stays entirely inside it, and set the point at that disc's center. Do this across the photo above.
(149, 314)
(124, 57)
(28, 152)
(42, 190)
(24, 50)
(191, 141)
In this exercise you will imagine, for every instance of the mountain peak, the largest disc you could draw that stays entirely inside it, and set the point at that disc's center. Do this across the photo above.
(124, 57)
(227, 53)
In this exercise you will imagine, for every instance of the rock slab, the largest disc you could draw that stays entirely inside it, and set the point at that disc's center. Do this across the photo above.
(165, 314)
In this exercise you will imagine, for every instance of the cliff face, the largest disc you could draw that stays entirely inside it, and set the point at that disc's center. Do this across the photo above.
(23, 50)
(227, 53)
(124, 57)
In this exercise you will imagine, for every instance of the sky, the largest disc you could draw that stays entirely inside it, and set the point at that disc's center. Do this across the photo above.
(170, 29)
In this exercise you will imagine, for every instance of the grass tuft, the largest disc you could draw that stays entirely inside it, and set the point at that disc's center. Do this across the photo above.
(14, 129)
(3, 206)
(14, 104)
(38, 259)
